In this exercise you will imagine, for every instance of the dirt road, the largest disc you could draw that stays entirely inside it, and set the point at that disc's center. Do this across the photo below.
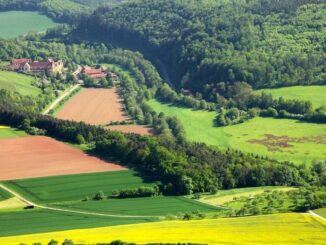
(60, 98)
(30, 203)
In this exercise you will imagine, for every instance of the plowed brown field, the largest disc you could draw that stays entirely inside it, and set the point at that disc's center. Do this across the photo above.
(39, 156)
(94, 106)
(137, 129)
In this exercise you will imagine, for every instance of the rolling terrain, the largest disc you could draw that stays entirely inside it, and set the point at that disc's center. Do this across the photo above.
(314, 94)
(202, 156)
(15, 23)
(282, 139)
(18, 82)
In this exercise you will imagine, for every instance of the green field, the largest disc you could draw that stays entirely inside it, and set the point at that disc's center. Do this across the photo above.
(225, 196)
(157, 206)
(4, 194)
(321, 212)
(38, 220)
(74, 187)
(15, 23)
(18, 82)
(6, 132)
(282, 139)
(315, 94)
(70, 190)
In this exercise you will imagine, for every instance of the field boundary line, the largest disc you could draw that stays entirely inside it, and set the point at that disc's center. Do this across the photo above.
(30, 203)
(60, 98)
(312, 213)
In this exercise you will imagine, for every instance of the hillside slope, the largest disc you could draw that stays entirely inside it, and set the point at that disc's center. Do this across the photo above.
(208, 45)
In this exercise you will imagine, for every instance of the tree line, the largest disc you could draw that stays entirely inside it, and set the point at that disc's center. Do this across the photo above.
(181, 168)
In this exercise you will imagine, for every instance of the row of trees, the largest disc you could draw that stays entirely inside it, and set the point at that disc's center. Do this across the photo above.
(302, 200)
(142, 191)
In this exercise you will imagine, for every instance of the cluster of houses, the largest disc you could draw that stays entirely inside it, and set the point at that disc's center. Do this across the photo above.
(98, 73)
(45, 66)
(54, 67)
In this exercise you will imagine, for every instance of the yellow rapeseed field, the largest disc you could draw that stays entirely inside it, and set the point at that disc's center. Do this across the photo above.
(269, 229)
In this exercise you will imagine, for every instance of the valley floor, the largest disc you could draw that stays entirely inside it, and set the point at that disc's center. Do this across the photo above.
(282, 139)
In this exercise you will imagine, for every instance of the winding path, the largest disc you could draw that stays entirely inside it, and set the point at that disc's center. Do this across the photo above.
(60, 98)
(30, 203)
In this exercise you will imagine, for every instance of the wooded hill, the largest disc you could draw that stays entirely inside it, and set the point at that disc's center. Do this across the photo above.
(207, 45)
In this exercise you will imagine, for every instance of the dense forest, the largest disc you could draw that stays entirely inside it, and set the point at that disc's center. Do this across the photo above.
(208, 46)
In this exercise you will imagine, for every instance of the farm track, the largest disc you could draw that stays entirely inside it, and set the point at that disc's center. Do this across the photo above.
(60, 98)
(30, 203)
(312, 213)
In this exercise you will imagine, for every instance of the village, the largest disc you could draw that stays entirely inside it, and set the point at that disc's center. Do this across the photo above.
(50, 66)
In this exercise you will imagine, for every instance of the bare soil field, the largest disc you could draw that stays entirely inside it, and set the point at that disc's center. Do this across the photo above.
(94, 106)
(39, 156)
(136, 129)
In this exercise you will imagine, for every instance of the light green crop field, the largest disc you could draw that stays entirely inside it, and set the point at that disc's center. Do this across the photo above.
(321, 212)
(7, 132)
(39, 220)
(15, 23)
(281, 139)
(315, 94)
(224, 196)
(18, 82)
(70, 190)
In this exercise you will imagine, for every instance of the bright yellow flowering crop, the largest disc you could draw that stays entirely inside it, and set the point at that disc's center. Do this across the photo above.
(270, 229)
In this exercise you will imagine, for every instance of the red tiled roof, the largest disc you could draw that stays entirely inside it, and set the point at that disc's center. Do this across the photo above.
(93, 72)
(20, 61)
(41, 65)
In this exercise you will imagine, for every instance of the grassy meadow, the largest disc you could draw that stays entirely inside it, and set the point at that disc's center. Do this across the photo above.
(288, 229)
(15, 23)
(7, 132)
(281, 139)
(225, 196)
(315, 94)
(18, 82)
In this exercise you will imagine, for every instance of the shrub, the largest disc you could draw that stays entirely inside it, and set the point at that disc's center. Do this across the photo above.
(99, 196)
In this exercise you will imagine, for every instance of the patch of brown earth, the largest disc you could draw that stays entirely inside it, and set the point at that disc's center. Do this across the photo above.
(40, 156)
(94, 106)
(136, 129)
(277, 143)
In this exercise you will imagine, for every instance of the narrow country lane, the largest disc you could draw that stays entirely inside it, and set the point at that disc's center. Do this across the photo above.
(72, 211)
(60, 98)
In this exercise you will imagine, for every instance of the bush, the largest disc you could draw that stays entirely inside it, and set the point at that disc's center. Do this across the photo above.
(99, 196)
(143, 191)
